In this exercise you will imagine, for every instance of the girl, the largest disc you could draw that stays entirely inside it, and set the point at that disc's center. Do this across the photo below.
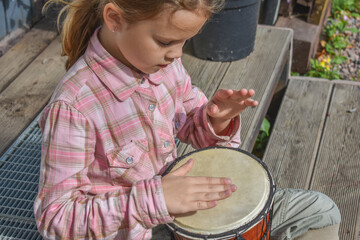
(109, 128)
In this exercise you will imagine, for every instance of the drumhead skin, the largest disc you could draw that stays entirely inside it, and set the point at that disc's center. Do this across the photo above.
(254, 187)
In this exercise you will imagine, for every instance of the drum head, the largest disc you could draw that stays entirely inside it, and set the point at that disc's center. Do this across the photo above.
(245, 204)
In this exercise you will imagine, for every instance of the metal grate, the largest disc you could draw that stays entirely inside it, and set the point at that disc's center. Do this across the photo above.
(19, 176)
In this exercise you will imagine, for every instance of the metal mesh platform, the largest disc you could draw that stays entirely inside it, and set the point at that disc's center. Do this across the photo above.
(19, 176)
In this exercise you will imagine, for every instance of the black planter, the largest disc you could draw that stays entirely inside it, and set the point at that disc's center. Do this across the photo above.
(230, 34)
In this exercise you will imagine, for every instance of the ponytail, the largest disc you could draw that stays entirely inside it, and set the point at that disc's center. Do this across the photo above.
(82, 18)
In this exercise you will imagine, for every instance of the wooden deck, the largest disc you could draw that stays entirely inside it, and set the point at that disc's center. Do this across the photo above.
(31, 70)
(315, 144)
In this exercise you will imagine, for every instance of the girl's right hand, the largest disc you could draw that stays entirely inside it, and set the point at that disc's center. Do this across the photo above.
(187, 194)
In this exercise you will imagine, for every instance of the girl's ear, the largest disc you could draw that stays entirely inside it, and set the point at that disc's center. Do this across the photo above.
(113, 18)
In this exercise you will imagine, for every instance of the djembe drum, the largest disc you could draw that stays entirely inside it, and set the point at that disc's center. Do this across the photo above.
(244, 215)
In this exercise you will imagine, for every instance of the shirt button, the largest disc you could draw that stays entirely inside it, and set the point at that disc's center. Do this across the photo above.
(166, 144)
(129, 160)
(177, 124)
(151, 107)
(142, 81)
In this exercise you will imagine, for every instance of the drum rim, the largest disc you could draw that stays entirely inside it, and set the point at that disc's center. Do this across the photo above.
(241, 229)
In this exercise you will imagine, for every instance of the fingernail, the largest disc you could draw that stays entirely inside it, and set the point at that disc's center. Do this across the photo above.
(233, 188)
(227, 180)
(213, 203)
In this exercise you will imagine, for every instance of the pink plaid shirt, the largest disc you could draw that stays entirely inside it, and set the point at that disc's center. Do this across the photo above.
(108, 135)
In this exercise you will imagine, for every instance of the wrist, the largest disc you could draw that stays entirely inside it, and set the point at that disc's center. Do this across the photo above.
(221, 127)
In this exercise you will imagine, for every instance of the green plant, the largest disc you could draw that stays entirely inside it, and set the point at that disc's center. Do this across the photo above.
(322, 69)
(262, 138)
(344, 5)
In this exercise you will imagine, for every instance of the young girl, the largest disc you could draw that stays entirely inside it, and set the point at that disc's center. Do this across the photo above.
(109, 128)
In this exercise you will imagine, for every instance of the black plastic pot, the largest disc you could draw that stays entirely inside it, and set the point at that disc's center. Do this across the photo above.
(230, 34)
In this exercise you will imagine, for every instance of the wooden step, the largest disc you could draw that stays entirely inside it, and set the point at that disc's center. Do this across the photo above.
(314, 144)
(25, 97)
(306, 40)
(261, 71)
(25, 51)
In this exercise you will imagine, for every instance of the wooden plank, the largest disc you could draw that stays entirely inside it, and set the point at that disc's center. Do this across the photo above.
(264, 67)
(28, 94)
(261, 72)
(337, 169)
(293, 144)
(319, 11)
(206, 76)
(25, 51)
(306, 40)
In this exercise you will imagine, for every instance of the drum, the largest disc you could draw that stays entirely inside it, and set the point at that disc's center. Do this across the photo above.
(244, 215)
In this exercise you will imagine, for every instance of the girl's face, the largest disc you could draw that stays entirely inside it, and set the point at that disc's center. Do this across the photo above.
(152, 44)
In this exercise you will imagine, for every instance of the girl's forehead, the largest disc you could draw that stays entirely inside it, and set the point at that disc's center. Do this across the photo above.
(179, 21)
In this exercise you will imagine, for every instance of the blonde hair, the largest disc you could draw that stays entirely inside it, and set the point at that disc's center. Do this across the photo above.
(82, 17)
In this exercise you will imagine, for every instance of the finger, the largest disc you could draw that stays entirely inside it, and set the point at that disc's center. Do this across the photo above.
(210, 180)
(251, 103)
(184, 169)
(202, 205)
(224, 93)
(215, 196)
(243, 94)
(212, 108)
(217, 188)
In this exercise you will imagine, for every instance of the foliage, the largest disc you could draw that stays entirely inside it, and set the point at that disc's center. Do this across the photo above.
(344, 5)
(262, 138)
(336, 39)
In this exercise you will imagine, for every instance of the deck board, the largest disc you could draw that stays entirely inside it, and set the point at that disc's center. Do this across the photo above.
(294, 139)
(261, 70)
(338, 163)
(314, 144)
(24, 98)
(25, 51)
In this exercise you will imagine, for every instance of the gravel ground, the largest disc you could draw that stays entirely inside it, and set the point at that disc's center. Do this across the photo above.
(350, 70)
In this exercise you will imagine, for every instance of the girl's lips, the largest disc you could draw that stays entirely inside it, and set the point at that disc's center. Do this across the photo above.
(163, 66)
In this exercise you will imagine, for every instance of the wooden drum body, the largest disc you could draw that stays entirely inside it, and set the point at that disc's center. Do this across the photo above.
(244, 215)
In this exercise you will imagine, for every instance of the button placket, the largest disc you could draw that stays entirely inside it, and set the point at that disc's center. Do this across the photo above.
(129, 160)
(151, 107)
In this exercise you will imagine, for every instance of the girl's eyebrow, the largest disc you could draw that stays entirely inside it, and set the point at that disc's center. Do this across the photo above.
(165, 39)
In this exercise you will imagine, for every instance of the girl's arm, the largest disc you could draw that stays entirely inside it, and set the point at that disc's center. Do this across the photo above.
(71, 204)
(197, 129)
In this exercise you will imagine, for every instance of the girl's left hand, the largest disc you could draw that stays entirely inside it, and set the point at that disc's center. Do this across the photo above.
(227, 104)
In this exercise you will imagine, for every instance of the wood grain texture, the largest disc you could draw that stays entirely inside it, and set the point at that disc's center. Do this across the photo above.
(25, 51)
(28, 94)
(337, 170)
(292, 147)
(260, 71)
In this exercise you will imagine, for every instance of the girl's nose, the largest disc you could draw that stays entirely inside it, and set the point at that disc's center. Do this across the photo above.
(175, 52)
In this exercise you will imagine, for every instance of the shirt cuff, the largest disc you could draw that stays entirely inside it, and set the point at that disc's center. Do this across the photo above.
(151, 200)
(233, 133)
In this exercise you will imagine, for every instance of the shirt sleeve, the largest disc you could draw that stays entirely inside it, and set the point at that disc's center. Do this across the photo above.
(197, 129)
(66, 208)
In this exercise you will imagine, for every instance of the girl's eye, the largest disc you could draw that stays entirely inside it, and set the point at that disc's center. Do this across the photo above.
(164, 43)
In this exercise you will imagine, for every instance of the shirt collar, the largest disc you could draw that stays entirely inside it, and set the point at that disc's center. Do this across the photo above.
(119, 79)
